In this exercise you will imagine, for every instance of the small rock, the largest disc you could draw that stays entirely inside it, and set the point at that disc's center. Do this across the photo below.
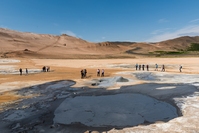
(55, 98)
(52, 126)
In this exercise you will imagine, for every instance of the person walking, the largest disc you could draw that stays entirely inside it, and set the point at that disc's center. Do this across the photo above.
(44, 68)
(136, 66)
(139, 67)
(26, 71)
(20, 70)
(143, 67)
(102, 75)
(163, 68)
(156, 67)
(180, 68)
(98, 72)
(82, 74)
(48, 69)
(147, 67)
(85, 72)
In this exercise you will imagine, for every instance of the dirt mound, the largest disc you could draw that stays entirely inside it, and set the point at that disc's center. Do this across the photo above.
(21, 53)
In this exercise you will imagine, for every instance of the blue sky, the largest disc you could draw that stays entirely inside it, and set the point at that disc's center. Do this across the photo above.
(104, 20)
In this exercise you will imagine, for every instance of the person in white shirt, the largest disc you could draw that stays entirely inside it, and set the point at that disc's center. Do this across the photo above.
(102, 73)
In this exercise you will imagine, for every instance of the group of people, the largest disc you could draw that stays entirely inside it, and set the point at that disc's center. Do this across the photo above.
(83, 73)
(46, 69)
(138, 67)
(98, 73)
(163, 67)
(21, 71)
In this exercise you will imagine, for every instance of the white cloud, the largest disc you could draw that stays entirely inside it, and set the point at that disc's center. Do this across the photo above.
(70, 33)
(163, 20)
(193, 21)
(191, 30)
(103, 38)
(160, 31)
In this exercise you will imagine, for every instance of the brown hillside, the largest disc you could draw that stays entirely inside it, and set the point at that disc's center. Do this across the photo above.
(180, 43)
(133, 47)
(25, 44)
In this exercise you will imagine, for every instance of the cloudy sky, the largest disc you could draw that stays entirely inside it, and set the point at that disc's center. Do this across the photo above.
(104, 20)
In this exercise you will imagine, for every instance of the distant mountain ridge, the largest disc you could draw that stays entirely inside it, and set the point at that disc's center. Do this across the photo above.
(31, 45)
(180, 43)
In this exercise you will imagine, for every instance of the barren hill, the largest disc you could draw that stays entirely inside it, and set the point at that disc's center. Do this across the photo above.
(26, 44)
(180, 43)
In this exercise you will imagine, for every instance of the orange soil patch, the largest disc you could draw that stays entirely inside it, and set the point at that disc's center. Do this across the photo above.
(70, 70)
(8, 97)
(56, 74)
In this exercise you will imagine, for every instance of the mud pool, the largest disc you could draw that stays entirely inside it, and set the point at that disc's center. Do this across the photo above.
(119, 110)
(58, 106)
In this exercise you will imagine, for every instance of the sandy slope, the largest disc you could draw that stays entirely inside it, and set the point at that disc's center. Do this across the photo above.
(30, 45)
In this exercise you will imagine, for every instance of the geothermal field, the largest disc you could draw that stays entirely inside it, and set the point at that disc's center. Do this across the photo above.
(125, 100)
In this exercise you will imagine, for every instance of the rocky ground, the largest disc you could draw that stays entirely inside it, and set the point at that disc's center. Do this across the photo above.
(124, 100)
